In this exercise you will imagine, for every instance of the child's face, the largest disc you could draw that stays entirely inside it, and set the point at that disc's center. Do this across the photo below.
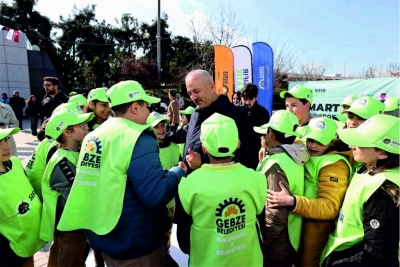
(101, 109)
(79, 131)
(366, 155)
(315, 148)
(185, 120)
(161, 130)
(295, 106)
(5, 149)
(353, 121)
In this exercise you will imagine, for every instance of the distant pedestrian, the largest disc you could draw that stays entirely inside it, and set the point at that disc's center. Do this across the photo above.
(53, 98)
(17, 104)
(4, 99)
(33, 113)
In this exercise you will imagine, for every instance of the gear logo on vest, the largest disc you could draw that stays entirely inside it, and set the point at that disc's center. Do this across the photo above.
(231, 216)
(92, 156)
(23, 208)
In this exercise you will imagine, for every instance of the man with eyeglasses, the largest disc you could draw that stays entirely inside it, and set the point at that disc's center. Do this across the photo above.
(53, 98)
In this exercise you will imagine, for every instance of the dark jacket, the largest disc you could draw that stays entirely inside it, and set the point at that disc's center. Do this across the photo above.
(256, 116)
(380, 245)
(223, 106)
(49, 104)
(140, 230)
(17, 104)
(33, 109)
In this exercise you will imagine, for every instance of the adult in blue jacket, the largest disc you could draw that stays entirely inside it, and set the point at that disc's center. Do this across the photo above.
(124, 216)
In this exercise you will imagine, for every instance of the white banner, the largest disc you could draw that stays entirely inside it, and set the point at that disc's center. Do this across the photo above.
(328, 95)
(242, 66)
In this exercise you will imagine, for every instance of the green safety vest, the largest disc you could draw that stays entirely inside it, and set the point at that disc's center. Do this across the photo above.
(303, 130)
(295, 175)
(20, 211)
(313, 167)
(181, 148)
(169, 156)
(50, 197)
(37, 164)
(100, 181)
(349, 229)
(223, 201)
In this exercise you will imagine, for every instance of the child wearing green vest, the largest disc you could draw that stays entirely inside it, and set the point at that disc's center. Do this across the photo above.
(68, 128)
(392, 106)
(223, 203)
(298, 100)
(169, 157)
(341, 119)
(284, 163)
(80, 100)
(20, 209)
(121, 190)
(327, 175)
(367, 232)
(184, 125)
(43, 152)
(98, 104)
(361, 110)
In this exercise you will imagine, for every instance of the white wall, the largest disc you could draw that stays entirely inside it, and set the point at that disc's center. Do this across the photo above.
(14, 68)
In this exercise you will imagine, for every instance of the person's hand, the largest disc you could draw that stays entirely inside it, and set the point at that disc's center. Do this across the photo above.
(279, 199)
(3, 126)
(193, 159)
(183, 166)
(262, 153)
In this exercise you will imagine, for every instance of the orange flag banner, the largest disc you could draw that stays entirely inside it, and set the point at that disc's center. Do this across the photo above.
(224, 75)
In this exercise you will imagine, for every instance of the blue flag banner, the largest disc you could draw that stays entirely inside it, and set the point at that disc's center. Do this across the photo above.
(263, 73)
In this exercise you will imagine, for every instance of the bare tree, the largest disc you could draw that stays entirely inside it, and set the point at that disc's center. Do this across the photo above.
(285, 60)
(311, 70)
(219, 27)
(372, 71)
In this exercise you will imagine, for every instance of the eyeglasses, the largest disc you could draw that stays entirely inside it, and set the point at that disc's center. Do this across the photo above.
(248, 98)
(47, 85)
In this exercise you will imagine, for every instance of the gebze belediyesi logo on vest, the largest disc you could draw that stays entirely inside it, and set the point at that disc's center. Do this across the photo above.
(92, 156)
(231, 216)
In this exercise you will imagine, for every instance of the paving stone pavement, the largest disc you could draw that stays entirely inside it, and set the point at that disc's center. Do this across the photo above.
(26, 144)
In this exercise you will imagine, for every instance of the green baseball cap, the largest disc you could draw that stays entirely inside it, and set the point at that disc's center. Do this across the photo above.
(392, 103)
(380, 131)
(8, 131)
(63, 119)
(219, 135)
(127, 92)
(98, 94)
(365, 107)
(70, 105)
(155, 118)
(348, 100)
(282, 121)
(188, 111)
(322, 129)
(299, 91)
(78, 99)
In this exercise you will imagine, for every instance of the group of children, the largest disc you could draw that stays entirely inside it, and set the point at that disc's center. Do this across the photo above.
(326, 192)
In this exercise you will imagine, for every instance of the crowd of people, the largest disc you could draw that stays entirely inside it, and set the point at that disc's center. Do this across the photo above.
(244, 188)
